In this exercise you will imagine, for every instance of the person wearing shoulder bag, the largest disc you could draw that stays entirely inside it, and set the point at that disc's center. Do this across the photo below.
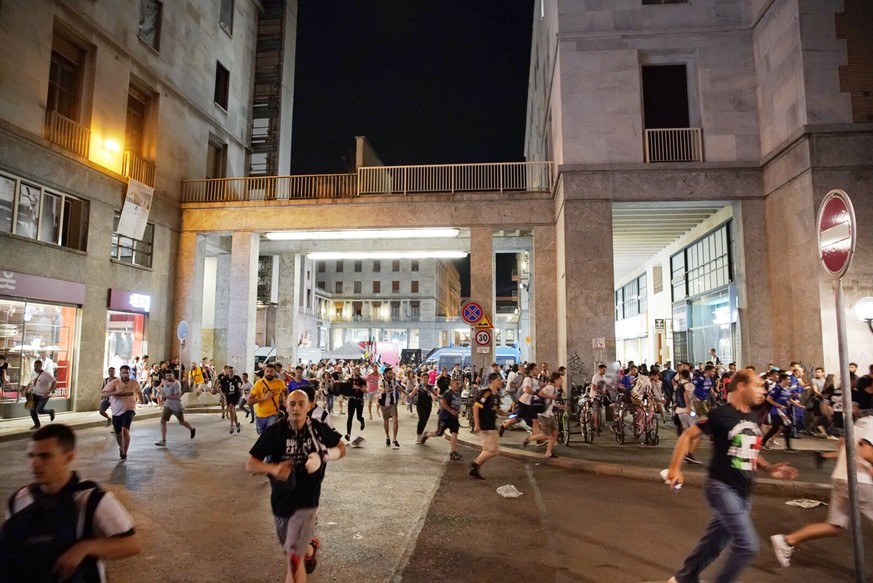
(39, 390)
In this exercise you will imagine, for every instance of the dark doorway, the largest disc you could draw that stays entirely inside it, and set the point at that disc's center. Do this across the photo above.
(665, 96)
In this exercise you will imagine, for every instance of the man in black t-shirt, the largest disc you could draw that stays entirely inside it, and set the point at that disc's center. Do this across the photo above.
(736, 440)
(298, 449)
(485, 422)
(230, 385)
(356, 401)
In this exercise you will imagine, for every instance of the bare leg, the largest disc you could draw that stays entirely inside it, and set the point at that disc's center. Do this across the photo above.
(125, 438)
(395, 427)
(454, 443)
(813, 531)
(163, 430)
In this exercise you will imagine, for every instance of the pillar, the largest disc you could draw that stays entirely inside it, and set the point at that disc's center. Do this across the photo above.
(482, 288)
(754, 315)
(223, 276)
(286, 311)
(189, 295)
(544, 307)
(243, 299)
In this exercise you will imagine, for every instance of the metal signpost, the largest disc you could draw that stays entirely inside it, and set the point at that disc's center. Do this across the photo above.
(837, 234)
(182, 334)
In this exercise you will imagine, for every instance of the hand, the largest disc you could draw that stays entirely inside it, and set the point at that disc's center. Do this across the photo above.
(782, 471)
(67, 563)
(313, 462)
(282, 470)
(675, 479)
(476, 429)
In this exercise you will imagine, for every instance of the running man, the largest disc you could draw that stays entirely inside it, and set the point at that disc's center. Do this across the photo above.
(231, 388)
(356, 401)
(245, 390)
(485, 412)
(447, 418)
(298, 447)
(104, 401)
(388, 401)
(172, 407)
(547, 422)
(372, 389)
(736, 440)
(41, 385)
(265, 397)
(123, 393)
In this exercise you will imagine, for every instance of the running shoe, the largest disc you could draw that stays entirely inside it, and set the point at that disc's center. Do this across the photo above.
(690, 459)
(193, 431)
(388, 443)
(237, 427)
(500, 431)
(347, 437)
(309, 563)
(161, 443)
(474, 471)
(782, 549)
(455, 456)
(52, 415)
(424, 437)
(231, 429)
(396, 444)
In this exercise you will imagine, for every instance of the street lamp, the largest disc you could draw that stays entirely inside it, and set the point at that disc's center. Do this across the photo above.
(864, 311)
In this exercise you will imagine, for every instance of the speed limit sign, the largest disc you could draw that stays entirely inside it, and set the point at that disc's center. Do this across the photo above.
(483, 337)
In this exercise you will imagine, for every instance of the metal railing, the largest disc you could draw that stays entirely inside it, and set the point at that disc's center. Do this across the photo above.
(269, 188)
(138, 168)
(673, 145)
(67, 134)
(494, 177)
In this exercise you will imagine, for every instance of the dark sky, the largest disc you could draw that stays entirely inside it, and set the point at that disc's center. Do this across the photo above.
(427, 82)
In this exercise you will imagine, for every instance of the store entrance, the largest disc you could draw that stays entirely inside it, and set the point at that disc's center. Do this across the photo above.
(125, 339)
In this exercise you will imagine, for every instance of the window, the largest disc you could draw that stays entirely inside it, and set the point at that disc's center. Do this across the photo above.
(359, 265)
(338, 287)
(665, 96)
(377, 310)
(339, 266)
(42, 214)
(415, 265)
(135, 123)
(320, 285)
(413, 287)
(65, 78)
(308, 275)
(222, 86)
(132, 251)
(322, 267)
(225, 16)
(395, 287)
(309, 299)
(377, 287)
(632, 298)
(216, 158)
(357, 287)
(149, 31)
(395, 265)
(704, 265)
(395, 310)
(377, 266)
(415, 310)
(657, 279)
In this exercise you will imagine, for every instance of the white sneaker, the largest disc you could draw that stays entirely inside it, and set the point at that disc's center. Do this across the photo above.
(782, 549)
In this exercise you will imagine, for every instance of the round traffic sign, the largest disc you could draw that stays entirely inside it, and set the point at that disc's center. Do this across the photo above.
(836, 233)
(182, 330)
(483, 337)
(471, 312)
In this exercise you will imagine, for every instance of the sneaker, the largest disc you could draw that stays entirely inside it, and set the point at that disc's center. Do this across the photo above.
(193, 432)
(782, 549)
(474, 471)
(52, 415)
(123, 456)
(231, 429)
(347, 437)
(309, 563)
(455, 456)
(690, 459)
(161, 443)
(396, 444)
(500, 431)
(424, 437)
(362, 425)
(833, 437)
(222, 415)
(237, 427)
(388, 443)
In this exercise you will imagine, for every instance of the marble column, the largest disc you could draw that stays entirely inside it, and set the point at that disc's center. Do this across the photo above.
(223, 277)
(585, 281)
(482, 287)
(286, 311)
(241, 319)
(755, 329)
(544, 307)
(189, 294)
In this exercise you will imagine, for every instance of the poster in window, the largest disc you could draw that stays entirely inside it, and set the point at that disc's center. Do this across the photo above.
(135, 214)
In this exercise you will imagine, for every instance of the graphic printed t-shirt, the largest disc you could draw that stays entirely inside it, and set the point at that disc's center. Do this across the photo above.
(281, 442)
(736, 444)
(373, 382)
(173, 389)
(230, 385)
(454, 401)
(781, 395)
(487, 406)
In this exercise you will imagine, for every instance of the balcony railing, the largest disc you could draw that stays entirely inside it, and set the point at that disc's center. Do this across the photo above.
(493, 177)
(67, 134)
(138, 168)
(673, 145)
(270, 188)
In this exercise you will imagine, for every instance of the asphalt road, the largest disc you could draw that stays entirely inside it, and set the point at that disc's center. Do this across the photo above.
(408, 515)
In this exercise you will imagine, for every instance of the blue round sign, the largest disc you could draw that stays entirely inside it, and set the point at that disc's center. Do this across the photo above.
(471, 312)
(182, 330)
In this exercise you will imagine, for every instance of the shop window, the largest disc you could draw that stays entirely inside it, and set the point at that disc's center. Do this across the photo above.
(150, 16)
(42, 214)
(222, 86)
(133, 251)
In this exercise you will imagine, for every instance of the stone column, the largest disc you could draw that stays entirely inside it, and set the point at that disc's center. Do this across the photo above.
(286, 340)
(482, 286)
(189, 294)
(224, 275)
(544, 307)
(753, 293)
(585, 280)
(243, 295)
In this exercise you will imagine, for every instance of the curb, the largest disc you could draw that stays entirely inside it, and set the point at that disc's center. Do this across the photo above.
(765, 486)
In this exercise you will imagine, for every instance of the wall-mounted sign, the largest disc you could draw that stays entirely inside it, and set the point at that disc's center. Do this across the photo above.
(33, 287)
(127, 301)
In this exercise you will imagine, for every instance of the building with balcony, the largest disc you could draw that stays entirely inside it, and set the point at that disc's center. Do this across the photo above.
(96, 94)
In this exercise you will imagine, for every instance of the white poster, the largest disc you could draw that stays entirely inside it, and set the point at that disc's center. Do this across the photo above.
(135, 213)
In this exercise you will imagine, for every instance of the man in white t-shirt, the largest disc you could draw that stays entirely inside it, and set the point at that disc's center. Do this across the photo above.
(601, 386)
(50, 452)
(838, 513)
(173, 408)
(41, 385)
(124, 393)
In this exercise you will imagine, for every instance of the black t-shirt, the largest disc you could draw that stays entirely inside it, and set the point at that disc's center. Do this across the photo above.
(359, 386)
(487, 405)
(280, 442)
(736, 443)
(230, 385)
(442, 383)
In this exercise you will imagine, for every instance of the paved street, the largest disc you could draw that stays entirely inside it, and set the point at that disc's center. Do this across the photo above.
(408, 515)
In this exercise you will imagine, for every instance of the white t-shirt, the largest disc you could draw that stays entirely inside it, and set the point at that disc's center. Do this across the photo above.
(526, 397)
(863, 432)
(120, 405)
(173, 389)
(41, 383)
(594, 391)
(550, 390)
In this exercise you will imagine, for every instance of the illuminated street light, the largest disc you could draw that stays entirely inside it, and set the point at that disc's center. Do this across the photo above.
(864, 311)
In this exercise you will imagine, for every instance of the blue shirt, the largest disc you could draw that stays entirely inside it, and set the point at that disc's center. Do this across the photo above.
(780, 395)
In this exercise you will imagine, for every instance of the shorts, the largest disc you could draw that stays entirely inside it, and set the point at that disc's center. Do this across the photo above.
(451, 424)
(548, 425)
(685, 420)
(232, 399)
(489, 441)
(296, 531)
(167, 413)
(388, 411)
(525, 413)
(371, 396)
(122, 421)
(104, 405)
(838, 512)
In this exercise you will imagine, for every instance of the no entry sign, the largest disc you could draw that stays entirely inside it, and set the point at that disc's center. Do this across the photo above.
(836, 233)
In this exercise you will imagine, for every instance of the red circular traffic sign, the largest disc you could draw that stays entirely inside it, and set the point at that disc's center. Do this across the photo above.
(483, 337)
(471, 312)
(836, 233)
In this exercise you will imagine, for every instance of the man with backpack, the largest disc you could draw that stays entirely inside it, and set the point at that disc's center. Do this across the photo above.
(60, 526)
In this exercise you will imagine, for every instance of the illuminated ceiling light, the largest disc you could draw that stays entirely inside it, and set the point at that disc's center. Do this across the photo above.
(111, 145)
(329, 255)
(368, 234)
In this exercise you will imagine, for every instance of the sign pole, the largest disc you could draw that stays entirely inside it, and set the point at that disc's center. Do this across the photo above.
(848, 424)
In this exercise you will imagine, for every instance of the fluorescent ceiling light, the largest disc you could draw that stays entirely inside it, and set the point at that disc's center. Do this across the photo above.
(368, 234)
(328, 255)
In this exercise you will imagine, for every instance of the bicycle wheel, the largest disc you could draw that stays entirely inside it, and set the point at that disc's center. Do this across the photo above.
(564, 428)
(463, 419)
(619, 430)
(654, 438)
(589, 428)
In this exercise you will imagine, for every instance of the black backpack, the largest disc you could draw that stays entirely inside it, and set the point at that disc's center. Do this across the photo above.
(32, 539)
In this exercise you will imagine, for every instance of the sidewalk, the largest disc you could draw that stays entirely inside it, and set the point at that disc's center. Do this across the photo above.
(644, 462)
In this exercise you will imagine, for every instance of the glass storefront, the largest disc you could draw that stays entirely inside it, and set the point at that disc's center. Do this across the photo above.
(32, 331)
(125, 339)
(712, 323)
